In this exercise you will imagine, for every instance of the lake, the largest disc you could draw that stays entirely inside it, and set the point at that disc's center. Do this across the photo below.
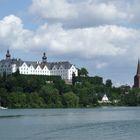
(108, 123)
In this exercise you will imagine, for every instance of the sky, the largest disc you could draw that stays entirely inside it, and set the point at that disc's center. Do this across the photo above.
(100, 35)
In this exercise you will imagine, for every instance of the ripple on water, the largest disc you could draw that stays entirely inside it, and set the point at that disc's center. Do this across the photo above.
(90, 124)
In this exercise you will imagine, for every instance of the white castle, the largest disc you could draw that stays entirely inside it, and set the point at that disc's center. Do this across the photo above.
(63, 69)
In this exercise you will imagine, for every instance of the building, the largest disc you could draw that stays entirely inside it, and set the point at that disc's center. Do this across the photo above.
(63, 69)
(126, 88)
(137, 76)
(105, 99)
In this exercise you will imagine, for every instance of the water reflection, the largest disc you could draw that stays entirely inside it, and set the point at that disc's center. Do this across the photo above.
(70, 124)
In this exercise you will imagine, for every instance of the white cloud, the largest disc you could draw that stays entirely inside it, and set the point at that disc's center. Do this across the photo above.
(101, 41)
(8, 24)
(87, 13)
(104, 10)
(109, 43)
(87, 42)
(53, 9)
(12, 33)
(101, 65)
(82, 13)
(99, 31)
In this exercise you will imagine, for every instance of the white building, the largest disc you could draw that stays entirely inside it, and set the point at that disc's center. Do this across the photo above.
(105, 99)
(63, 69)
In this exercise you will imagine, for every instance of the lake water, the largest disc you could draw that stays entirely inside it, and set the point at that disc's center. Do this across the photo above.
(112, 123)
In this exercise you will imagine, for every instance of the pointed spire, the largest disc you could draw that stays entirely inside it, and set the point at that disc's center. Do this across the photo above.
(138, 67)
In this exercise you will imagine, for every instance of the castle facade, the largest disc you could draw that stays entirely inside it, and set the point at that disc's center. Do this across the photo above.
(63, 69)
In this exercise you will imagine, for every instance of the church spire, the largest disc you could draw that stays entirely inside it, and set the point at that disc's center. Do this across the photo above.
(138, 67)
(8, 56)
(137, 76)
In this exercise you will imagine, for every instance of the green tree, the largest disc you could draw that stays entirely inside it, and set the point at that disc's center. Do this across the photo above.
(16, 100)
(96, 80)
(4, 76)
(73, 79)
(17, 73)
(129, 99)
(87, 97)
(83, 72)
(108, 83)
(70, 100)
(59, 85)
(51, 96)
(33, 100)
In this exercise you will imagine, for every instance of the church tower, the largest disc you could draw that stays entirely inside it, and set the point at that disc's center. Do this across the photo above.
(8, 56)
(44, 58)
(137, 76)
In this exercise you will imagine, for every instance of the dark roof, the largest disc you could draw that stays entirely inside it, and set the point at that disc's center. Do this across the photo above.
(11, 61)
(65, 65)
(50, 65)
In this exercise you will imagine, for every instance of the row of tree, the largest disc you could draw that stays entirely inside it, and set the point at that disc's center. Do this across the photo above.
(22, 91)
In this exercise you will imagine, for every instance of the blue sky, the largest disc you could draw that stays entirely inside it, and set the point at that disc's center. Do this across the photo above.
(101, 35)
(15, 7)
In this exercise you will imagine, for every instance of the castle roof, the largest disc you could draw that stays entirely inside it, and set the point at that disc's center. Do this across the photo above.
(50, 65)
(65, 65)
(35, 64)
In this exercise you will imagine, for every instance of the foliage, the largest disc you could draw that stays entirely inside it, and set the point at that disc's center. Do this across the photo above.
(108, 83)
(51, 96)
(73, 79)
(93, 80)
(24, 91)
(70, 100)
(83, 72)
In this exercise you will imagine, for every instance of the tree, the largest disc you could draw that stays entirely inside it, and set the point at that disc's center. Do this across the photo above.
(17, 73)
(70, 100)
(83, 72)
(130, 99)
(33, 100)
(108, 83)
(73, 79)
(4, 76)
(16, 100)
(51, 96)
(87, 96)
(96, 80)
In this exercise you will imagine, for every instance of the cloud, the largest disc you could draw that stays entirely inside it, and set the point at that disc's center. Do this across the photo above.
(12, 33)
(101, 65)
(53, 9)
(116, 45)
(82, 13)
(87, 43)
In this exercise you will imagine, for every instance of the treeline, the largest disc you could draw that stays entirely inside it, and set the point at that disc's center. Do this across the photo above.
(22, 91)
